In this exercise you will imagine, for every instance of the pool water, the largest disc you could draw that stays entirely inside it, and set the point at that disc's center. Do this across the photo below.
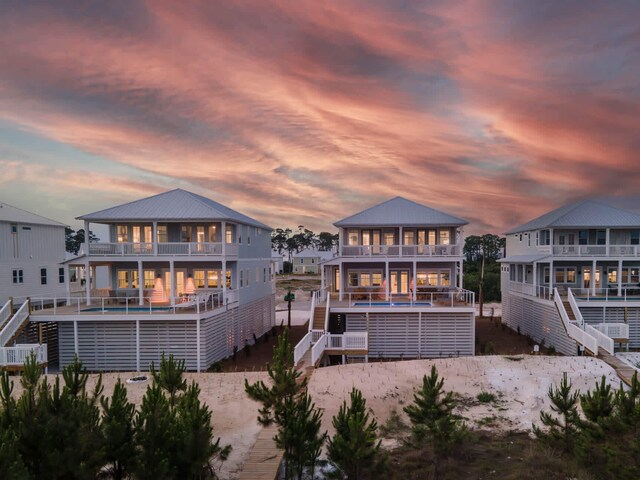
(392, 304)
(130, 309)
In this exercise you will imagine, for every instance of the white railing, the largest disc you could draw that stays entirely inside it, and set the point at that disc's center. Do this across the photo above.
(579, 250)
(316, 334)
(200, 302)
(451, 298)
(628, 294)
(326, 314)
(318, 348)
(574, 307)
(613, 330)
(18, 354)
(605, 342)
(5, 313)
(401, 250)
(574, 332)
(161, 248)
(312, 310)
(12, 326)
(539, 291)
(349, 341)
(624, 250)
(301, 348)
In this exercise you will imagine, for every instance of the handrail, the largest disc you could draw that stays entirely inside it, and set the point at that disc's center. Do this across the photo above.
(301, 348)
(312, 310)
(17, 355)
(160, 248)
(5, 313)
(574, 306)
(326, 314)
(414, 250)
(318, 348)
(458, 297)
(14, 324)
(604, 341)
(573, 331)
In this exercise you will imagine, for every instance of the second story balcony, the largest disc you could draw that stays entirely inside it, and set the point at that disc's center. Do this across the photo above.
(594, 250)
(421, 250)
(120, 249)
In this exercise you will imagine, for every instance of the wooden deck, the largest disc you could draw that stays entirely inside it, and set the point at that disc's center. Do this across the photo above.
(624, 371)
(264, 459)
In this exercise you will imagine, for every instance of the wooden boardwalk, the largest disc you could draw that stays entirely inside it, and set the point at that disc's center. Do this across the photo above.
(264, 459)
(624, 371)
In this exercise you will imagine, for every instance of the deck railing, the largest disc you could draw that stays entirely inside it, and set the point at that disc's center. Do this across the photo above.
(116, 249)
(13, 325)
(452, 298)
(301, 348)
(200, 302)
(400, 250)
(614, 330)
(630, 294)
(539, 291)
(574, 331)
(5, 313)
(349, 341)
(17, 355)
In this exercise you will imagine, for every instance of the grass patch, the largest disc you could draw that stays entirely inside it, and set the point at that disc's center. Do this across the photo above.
(486, 397)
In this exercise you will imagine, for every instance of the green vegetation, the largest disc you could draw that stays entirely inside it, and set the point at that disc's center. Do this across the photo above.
(486, 397)
(474, 248)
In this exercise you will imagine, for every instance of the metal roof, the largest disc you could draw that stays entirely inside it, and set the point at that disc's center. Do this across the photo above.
(524, 258)
(400, 211)
(174, 205)
(587, 213)
(11, 214)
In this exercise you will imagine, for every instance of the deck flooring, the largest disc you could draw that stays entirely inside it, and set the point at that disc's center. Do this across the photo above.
(624, 371)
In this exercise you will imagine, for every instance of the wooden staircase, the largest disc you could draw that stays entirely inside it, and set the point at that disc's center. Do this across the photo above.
(318, 318)
(567, 307)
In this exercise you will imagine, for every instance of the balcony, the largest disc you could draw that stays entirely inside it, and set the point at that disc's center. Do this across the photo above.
(401, 250)
(595, 250)
(189, 249)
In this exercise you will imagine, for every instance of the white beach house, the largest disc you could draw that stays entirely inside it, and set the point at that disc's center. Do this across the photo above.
(188, 277)
(395, 289)
(571, 278)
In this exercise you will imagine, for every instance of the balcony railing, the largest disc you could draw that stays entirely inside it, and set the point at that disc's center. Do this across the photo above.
(539, 291)
(424, 299)
(594, 250)
(162, 248)
(400, 250)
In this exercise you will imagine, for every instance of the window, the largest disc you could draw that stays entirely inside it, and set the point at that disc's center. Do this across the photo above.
(365, 279)
(198, 278)
(185, 233)
(583, 237)
(14, 228)
(123, 278)
(353, 279)
(601, 237)
(18, 276)
(264, 275)
(559, 275)
(445, 278)
(634, 275)
(248, 235)
(545, 274)
(228, 278)
(422, 238)
(148, 235)
(444, 237)
(149, 278)
(43, 276)
(409, 237)
(163, 236)
(389, 238)
(635, 237)
(432, 279)
(612, 276)
(561, 239)
(376, 279)
(301, 261)
(247, 278)
(366, 237)
(312, 260)
(241, 278)
(134, 279)
(213, 233)
(421, 279)
(512, 272)
(135, 231)
(61, 275)
(571, 275)
(122, 233)
(228, 234)
(432, 237)
(212, 279)
(353, 237)
(565, 275)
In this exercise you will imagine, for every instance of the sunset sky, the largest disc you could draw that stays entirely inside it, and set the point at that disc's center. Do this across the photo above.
(303, 112)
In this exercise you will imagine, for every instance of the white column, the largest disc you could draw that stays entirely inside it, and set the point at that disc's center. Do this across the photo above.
(87, 281)
(535, 274)
(198, 344)
(341, 276)
(322, 292)
(400, 242)
(607, 239)
(140, 283)
(75, 337)
(224, 239)
(461, 277)
(551, 276)
(619, 278)
(67, 283)
(387, 279)
(593, 277)
(173, 283)
(415, 280)
(154, 239)
(224, 278)
(137, 345)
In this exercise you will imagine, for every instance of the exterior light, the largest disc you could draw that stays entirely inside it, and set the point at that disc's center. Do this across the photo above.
(158, 295)
(190, 288)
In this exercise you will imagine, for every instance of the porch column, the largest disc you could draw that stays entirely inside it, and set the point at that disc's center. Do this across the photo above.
(551, 277)
(415, 280)
(461, 275)
(67, 283)
(173, 283)
(140, 283)
(593, 277)
(87, 281)
(619, 277)
(154, 238)
(341, 276)
(224, 278)
(321, 282)
(400, 241)
(608, 234)
(386, 279)
(535, 276)
(223, 237)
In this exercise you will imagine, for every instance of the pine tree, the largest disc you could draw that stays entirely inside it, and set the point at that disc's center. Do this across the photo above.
(118, 433)
(169, 377)
(599, 404)
(355, 449)
(300, 436)
(11, 464)
(433, 421)
(561, 428)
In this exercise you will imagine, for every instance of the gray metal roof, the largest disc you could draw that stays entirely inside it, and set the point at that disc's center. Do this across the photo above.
(524, 258)
(400, 211)
(585, 214)
(174, 205)
(11, 214)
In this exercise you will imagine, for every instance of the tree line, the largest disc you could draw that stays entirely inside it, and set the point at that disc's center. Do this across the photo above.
(481, 267)
(64, 431)
(75, 239)
(290, 241)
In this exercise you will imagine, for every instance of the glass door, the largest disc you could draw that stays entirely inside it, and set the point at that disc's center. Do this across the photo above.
(399, 282)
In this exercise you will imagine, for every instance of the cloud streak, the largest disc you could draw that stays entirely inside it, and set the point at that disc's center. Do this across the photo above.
(305, 112)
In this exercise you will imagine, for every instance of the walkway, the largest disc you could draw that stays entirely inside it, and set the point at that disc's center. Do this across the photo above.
(624, 371)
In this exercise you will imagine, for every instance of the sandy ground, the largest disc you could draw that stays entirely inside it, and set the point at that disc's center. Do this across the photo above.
(300, 311)
(488, 307)
(521, 386)
(519, 382)
(630, 358)
(234, 415)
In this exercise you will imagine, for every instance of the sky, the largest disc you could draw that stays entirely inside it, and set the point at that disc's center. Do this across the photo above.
(305, 112)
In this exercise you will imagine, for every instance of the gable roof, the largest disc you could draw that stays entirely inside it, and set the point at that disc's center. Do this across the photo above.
(11, 214)
(174, 205)
(400, 211)
(587, 213)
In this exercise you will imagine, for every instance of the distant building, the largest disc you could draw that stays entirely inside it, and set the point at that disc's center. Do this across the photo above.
(309, 260)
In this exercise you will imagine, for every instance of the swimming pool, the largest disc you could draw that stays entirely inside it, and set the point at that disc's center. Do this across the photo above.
(125, 309)
(392, 304)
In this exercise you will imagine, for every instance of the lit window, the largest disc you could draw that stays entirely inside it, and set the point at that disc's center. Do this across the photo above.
(198, 278)
(149, 278)
(228, 278)
(389, 238)
(612, 276)
(444, 237)
(123, 279)
(212, 279)
(228, 234)
(365, 279)
(432, 279)
(444, 279)
(353, 237)
(123, 233)
(134, 279)
(421, 279)
(163, 236)
(213, 233)
(353, 279)
(409, 237)
(432, 237)
(571, 275)
(376, 279)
